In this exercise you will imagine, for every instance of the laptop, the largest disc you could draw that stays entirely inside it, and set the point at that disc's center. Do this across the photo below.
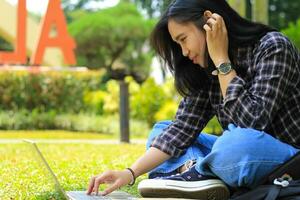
(75, 195)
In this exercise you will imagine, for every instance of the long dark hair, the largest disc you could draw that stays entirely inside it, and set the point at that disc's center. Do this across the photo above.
(189, 78)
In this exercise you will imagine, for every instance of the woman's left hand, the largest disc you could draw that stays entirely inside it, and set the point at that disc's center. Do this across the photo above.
(217, 38)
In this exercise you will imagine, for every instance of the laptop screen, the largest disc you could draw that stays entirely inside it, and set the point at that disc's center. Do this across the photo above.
(42, 161)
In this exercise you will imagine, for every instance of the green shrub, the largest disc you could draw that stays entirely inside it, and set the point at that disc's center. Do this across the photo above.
(213, 127)
(59, 91)
(147, 101)
(94, 100)
(76, 101)
(167, 111)
(111, 100)
(150, 102)
(88, 123)
(103, 102)
(293, 33)
(171, 102)
(26, 120)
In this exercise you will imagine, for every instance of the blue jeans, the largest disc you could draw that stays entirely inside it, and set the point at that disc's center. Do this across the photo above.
(241, 157)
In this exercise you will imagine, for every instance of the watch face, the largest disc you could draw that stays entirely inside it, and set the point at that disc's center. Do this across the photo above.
(225, 68)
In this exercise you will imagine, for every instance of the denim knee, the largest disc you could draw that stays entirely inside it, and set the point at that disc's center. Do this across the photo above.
(242, 156)
(245, 142)
(241, 142)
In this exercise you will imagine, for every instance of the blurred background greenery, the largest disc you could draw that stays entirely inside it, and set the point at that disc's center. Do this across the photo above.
(113, 44)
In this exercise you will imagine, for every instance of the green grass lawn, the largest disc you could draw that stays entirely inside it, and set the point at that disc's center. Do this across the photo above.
(22, 177)
(54, 134)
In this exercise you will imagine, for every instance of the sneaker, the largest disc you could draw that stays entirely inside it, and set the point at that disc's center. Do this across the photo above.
(189, 184)
(188, 164)
(155, 175)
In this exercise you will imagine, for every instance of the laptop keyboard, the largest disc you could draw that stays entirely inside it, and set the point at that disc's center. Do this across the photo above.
(114, 196)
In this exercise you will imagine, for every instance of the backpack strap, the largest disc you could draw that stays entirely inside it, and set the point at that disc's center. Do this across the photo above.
(266, 192)
(290, 167)
(271, 192)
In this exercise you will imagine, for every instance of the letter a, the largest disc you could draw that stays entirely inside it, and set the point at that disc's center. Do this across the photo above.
(54, 16)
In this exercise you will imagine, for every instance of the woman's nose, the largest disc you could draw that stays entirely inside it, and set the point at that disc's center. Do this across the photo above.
(185, 52)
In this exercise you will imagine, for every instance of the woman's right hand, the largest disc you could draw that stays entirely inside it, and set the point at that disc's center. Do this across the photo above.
(116, 179)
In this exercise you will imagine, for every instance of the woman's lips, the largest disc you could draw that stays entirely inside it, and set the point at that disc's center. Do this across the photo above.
(195, 59)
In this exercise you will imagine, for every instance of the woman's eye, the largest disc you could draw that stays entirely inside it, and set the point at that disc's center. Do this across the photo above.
(183, 39)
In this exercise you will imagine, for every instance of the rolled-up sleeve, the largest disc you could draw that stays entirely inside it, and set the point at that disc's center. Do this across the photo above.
(255, 103)
(192, 115)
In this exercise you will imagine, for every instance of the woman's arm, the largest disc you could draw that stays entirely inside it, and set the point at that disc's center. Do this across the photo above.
(255, 103)
(152, 158)
(192, 115)
(217, 44)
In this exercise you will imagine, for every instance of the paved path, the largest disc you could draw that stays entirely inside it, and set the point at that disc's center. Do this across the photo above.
(72, 141)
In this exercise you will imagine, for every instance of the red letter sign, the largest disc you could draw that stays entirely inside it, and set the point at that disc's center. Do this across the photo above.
(19, 55)
(54, 16)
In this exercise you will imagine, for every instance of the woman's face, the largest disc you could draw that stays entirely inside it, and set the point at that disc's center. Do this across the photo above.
(191, 40)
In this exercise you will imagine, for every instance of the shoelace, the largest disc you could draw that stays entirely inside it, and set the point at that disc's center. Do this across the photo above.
(188, 165)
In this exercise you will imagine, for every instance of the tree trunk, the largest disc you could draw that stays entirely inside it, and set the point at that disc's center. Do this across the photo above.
(239, 6)
(124, 112)
(260, 11)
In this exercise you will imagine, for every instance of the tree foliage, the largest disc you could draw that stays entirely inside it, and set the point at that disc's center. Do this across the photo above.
(114, 39)
(281, 13)
(293, 33)
(5, 46)
(71, 5)
(153, 8)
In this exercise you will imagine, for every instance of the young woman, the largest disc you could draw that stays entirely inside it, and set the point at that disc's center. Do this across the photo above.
(246, 74)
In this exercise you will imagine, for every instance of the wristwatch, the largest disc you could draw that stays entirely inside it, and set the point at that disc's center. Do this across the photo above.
(223, 69)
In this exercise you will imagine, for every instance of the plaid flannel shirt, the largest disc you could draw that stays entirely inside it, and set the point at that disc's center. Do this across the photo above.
(266, 97)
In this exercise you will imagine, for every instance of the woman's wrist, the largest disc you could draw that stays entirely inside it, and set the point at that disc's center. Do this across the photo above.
(133, 176)
(219, 61)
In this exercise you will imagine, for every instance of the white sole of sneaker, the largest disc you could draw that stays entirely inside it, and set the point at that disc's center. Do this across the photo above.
(212, 189)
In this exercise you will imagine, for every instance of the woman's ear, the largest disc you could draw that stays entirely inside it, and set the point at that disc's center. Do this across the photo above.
(207, 14)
